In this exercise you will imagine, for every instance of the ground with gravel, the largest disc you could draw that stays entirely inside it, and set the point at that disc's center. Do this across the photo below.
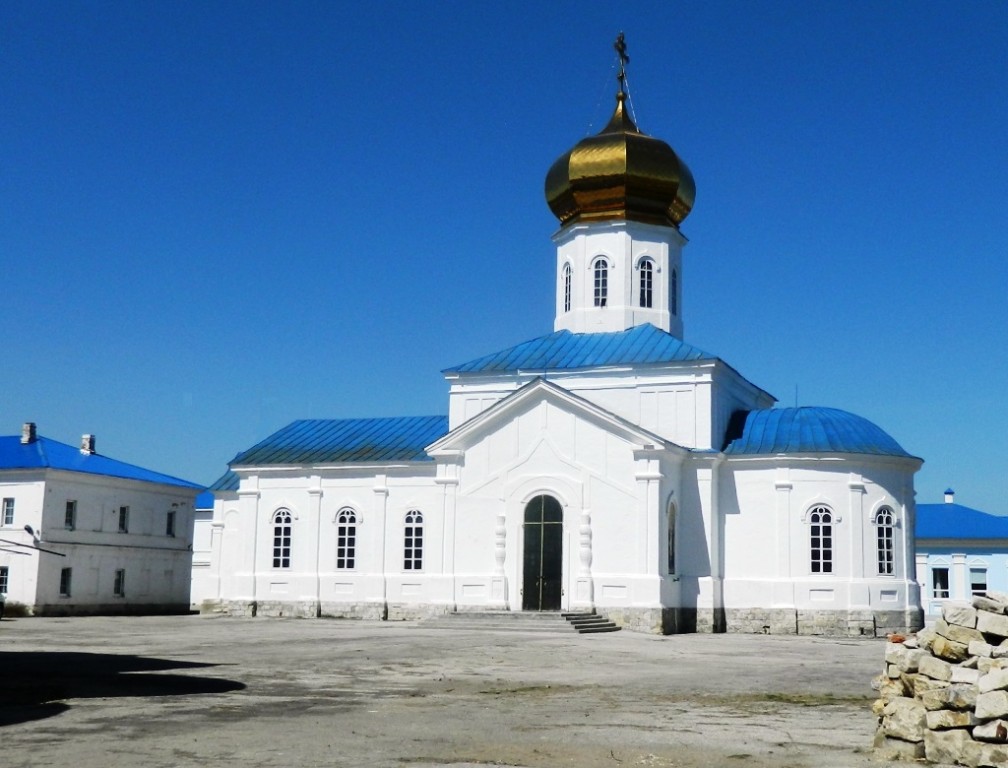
(103, 692)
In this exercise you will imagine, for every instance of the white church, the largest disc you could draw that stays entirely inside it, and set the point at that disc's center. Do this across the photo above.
(608, 466)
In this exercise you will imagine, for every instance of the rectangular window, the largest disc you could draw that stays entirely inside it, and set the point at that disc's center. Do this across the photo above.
(119, 588)
(978, 581)
(123, 519)
(70, 519)
(346, 545)
(4, 573)
(940, 583)
(8, 511)
(170, 523)
(65, 576)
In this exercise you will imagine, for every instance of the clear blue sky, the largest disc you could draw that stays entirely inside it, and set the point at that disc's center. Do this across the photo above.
(216, 218)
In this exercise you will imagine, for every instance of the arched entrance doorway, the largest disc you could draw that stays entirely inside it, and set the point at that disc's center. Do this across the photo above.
(543, 567)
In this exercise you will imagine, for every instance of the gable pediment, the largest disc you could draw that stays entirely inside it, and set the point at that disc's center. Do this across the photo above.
(542, 393)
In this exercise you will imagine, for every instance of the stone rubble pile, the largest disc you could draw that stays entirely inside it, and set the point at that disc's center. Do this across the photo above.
(943, 695)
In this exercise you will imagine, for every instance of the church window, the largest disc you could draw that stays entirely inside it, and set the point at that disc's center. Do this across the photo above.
(413, 541)
(346, 539)
(940, 583)
(70, 516)
(4, 573)
(281, 538)
(978, 580)
(821, 539)
(8, 511)
(646, 283)
(884, 540)
(124, 519)
(567, 287)
(674, 293)
(601, 282)
(671, 538)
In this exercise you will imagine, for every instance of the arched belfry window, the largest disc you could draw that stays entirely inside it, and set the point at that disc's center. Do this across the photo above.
(674, 292)
(413, 541)
(821, 540)
(346, 539)
(646, 283)
(601, 282)
(567, 287)
(884, 523)
(671, 538)
(281, 538)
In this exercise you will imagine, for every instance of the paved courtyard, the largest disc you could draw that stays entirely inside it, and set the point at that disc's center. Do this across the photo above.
(102, 692)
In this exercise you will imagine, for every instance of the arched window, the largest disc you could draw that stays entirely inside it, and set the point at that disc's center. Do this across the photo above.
(884, 520)
(281, 538)
(671, 538)
(674, 293)
(346, 539)
(413, 541)
(646, 283)
(821, 539)
(601, 282)
(567, 286)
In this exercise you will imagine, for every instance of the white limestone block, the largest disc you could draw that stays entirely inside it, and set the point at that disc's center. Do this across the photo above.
(935, 668)
(995, 731)
(959, 614)
(949, 649)
(904, 719)
(994, 680)
(977, 754)
(965, 675)
(945, 747)
(992, 624)
(897, 750)
(943, 719)
(992, 705)
(981, 648)
(957, 633)
(982, 603)
(960, 696)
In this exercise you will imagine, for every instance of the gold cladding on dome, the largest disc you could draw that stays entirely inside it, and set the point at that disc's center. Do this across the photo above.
(620, 173)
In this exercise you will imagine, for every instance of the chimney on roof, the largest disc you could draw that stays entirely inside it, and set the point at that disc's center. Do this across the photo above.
(87, 443)
(28, 433)
(949, 496)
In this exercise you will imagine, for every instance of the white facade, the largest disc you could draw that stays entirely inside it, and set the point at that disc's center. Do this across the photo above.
(620, 470)
(87, 562)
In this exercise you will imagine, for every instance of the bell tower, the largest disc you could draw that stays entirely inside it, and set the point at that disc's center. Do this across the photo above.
(620, 197)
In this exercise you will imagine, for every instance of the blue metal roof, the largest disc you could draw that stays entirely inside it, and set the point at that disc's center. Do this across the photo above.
(806, 430)
(563, 350)
(43, 453)
(323, 441)
(204, 500)
(226, 482)
(954, 521)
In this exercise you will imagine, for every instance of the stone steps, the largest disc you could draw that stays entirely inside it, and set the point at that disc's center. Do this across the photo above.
(522, 621)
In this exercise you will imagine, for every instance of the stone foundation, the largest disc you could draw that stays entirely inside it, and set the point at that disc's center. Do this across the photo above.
(105, 609)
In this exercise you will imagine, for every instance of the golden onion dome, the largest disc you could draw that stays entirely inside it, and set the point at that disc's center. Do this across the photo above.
(620, 173)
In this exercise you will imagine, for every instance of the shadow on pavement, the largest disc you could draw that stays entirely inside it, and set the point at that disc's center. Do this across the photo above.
(37, 685)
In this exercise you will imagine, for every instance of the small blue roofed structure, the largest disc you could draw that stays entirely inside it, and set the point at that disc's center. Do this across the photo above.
(961, 552)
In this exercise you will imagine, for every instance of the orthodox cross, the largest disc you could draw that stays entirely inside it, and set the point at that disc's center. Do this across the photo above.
(620, 47)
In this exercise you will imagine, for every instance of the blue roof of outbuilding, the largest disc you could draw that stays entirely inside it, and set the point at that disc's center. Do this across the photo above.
(806, 430)
(563, 350)
(204, 500)
(322, 441)
(43, 453)
(954, 521)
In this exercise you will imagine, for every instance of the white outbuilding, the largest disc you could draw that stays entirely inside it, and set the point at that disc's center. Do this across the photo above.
(606, 466)
(82, 533)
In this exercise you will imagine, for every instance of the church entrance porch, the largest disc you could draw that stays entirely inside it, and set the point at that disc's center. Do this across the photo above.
(542, 572)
